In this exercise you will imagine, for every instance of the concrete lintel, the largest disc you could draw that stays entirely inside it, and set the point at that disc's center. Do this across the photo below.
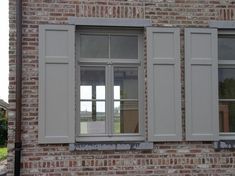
(222, 24)
(125, 22)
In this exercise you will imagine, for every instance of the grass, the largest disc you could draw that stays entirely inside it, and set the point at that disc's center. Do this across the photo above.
(3, 153)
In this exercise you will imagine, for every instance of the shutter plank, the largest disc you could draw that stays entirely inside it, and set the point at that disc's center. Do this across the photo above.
(201, 84)
(56, 84)
(164, 87)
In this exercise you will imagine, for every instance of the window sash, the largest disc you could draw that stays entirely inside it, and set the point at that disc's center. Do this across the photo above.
(109, 65)
(228, 64)
(226, 135)
(109, 106)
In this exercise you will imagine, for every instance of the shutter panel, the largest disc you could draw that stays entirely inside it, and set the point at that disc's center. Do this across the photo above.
(56, 84)
(201, 84)
(164, 87)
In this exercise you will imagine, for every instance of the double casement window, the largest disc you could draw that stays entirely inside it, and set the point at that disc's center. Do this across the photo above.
(226, 48)
(94, 84)
(110, 82)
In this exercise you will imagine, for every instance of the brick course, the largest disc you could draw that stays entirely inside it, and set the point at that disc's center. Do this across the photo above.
(176, 158)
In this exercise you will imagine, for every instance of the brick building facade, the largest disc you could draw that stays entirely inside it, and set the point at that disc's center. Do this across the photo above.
(166, 158)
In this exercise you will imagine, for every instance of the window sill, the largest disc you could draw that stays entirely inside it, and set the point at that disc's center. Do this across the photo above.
(224, 144)
(101, 146)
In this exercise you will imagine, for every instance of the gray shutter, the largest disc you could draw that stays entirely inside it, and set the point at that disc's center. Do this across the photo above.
(201, 84)
(164, 87)
(56, 84)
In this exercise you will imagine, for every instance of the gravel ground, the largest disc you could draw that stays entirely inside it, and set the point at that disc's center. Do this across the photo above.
(3, 167)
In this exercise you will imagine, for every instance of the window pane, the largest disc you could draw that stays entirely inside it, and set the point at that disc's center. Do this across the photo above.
(100, 92)
(92, 80)
(125, 83)
(226, 83)
(226, 47)
(85, 108)
(85, 92)
(92, 117)
(94, 46)
(227, 116)
(126, 118)
(124, 47)
(116, 92)
(92, 113)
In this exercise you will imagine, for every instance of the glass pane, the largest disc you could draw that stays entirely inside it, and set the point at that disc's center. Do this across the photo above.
(94, 46)
(126, 118)
(92, 80)
(227, 116)
(92, 117)
(92, 113)
(226, 83)
(100, 92)
(125, 83)
(117, 92)
(85, 92)
(226, 46)
(124, 47)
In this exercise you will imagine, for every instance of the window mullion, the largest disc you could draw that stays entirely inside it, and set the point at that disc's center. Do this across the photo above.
(78, 100)
(107, 103)
(141, 99)
(109, 46)
(111, 100)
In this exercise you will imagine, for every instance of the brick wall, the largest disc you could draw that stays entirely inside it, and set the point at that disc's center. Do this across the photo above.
(178, 158)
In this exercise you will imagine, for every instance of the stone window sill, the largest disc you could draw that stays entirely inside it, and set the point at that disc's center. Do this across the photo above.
(102, 146)
(224, 144)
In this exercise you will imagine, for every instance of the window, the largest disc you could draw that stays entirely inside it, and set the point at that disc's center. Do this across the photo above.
(110, 84)
(226, 45)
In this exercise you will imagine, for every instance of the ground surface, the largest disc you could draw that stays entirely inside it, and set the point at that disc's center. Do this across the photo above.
(3, 161)
(3, 167)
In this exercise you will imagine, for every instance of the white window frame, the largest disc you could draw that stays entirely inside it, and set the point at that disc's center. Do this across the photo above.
(226, 64)
(109, 66)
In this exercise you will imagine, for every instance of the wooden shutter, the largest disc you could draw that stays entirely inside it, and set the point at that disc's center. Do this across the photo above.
(201, 84)
(164, 87)
(56, 84)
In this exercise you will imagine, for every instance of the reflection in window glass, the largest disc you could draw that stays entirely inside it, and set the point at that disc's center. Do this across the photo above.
(94, 46)
(124, 47)
(85, 92)
(92, 117)
(226, 83)
(100, 92)
(92, 113)
(116, 92)
(227, 116)
(126, 119)
(100, 108)
(85, 108)
(226, 45)
(126, 78)
(91, 75)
